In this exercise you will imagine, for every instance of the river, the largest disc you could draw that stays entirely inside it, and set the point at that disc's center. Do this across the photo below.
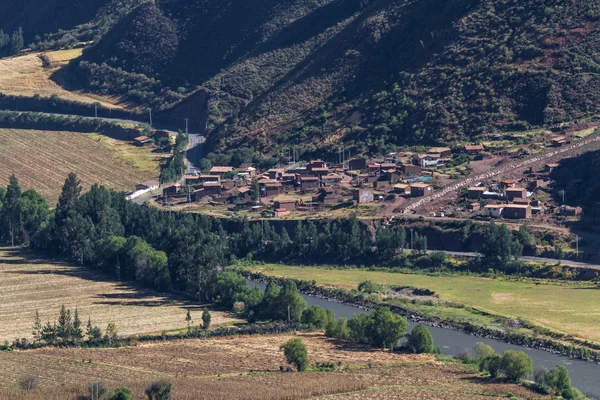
(585, 376)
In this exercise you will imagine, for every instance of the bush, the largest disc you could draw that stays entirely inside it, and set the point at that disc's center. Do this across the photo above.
(159, 390)
(121, 393)
(369, 287)
(557, 379)
(295, 353)
(491, 364)
(482, 350)
(338, 329)
(28, 382)
(420, 340)
(206, 318)
(516, 365)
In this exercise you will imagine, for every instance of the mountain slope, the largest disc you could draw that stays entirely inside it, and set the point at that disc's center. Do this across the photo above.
(373, 74)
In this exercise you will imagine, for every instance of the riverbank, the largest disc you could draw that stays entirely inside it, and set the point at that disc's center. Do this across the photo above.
(524, 334)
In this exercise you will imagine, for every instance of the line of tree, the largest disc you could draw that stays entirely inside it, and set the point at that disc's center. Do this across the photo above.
(174, 169)
(11, 45)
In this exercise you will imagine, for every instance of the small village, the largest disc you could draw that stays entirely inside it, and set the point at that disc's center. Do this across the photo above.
(369, 187)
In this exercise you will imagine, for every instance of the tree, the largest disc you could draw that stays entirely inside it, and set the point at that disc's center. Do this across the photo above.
(498, 247)
(16, 42)
(76, 332)
(384, 328)
(65, 324)
(28, 382)
(188, 320)
(337, 329)
(159, 390)
(206, 318)
(516, 365)
(558, 379)
(37, 327)
(420, 340)
(111, 332)
(121, 393)
(230, 288)
(315, 316)
(49, 333)
(10, 216)
(289, 304)
(295, 353)
(558, 253)
(255, 190)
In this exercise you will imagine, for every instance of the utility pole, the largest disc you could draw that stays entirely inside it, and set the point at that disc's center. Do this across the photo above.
(150, 113)
(289, 319)
(411, 239)
(577, 247)
(186, 125)
(96, 110)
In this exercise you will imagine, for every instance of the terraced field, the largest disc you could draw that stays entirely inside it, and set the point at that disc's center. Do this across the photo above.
(41, 160)
(247, 368)
(29, 284)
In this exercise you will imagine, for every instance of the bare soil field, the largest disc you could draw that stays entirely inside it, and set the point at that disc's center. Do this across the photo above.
(41, 160)
(246, 367)
(29, 284)
(26, 76)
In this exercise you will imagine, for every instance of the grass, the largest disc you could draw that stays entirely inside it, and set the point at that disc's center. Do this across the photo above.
(29, 284)
(246, 368)
(42, 160)
(26, 76)
(139, 158)
(567, 307)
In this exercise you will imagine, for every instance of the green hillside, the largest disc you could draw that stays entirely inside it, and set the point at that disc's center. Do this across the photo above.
(373, 74)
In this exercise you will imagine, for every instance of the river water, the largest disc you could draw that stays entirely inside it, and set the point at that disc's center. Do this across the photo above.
(585, 376)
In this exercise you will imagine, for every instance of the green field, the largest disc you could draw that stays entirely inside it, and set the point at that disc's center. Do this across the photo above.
(572, 308)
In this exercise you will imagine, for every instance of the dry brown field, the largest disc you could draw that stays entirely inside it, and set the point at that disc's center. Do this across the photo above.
(29, 284)
(245, 367)
(26, 76)
(41, 160)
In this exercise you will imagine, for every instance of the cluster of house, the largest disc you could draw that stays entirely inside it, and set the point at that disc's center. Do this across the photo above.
(510, 198)
(439, 156)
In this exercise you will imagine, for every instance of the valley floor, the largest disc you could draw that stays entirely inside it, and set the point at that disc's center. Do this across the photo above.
(566, 307)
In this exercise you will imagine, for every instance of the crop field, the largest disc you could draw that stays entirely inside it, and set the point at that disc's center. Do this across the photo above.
(41, 160)
(245, 367)
(26, 76)
(29, 284)
(561, 306)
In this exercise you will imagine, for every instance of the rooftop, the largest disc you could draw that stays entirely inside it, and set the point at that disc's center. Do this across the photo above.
(221, 169)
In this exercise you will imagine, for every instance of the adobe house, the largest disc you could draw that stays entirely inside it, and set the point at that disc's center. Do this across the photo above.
(428, 160)
(192, 179)
(357, 164)
(362, 196)
(559, 141)
(309, 182)
(285, 204)
(208, 178)
(243, 194)
(517, 211)
(220, 170)
(551, 167)
(442, 151)
(272, 189)
(280, 212)
(374, 169)
(330, 179)
(493, 210)
(142, 141)
(401, 188)
(392, 175)
(516, 193)
(508, 183)
(474, 149)
(315, 164)
(212, 188)
(326, 196)
(382, 185)
(420, 189)
(170, 189)
(476, 192)
(275, 173)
